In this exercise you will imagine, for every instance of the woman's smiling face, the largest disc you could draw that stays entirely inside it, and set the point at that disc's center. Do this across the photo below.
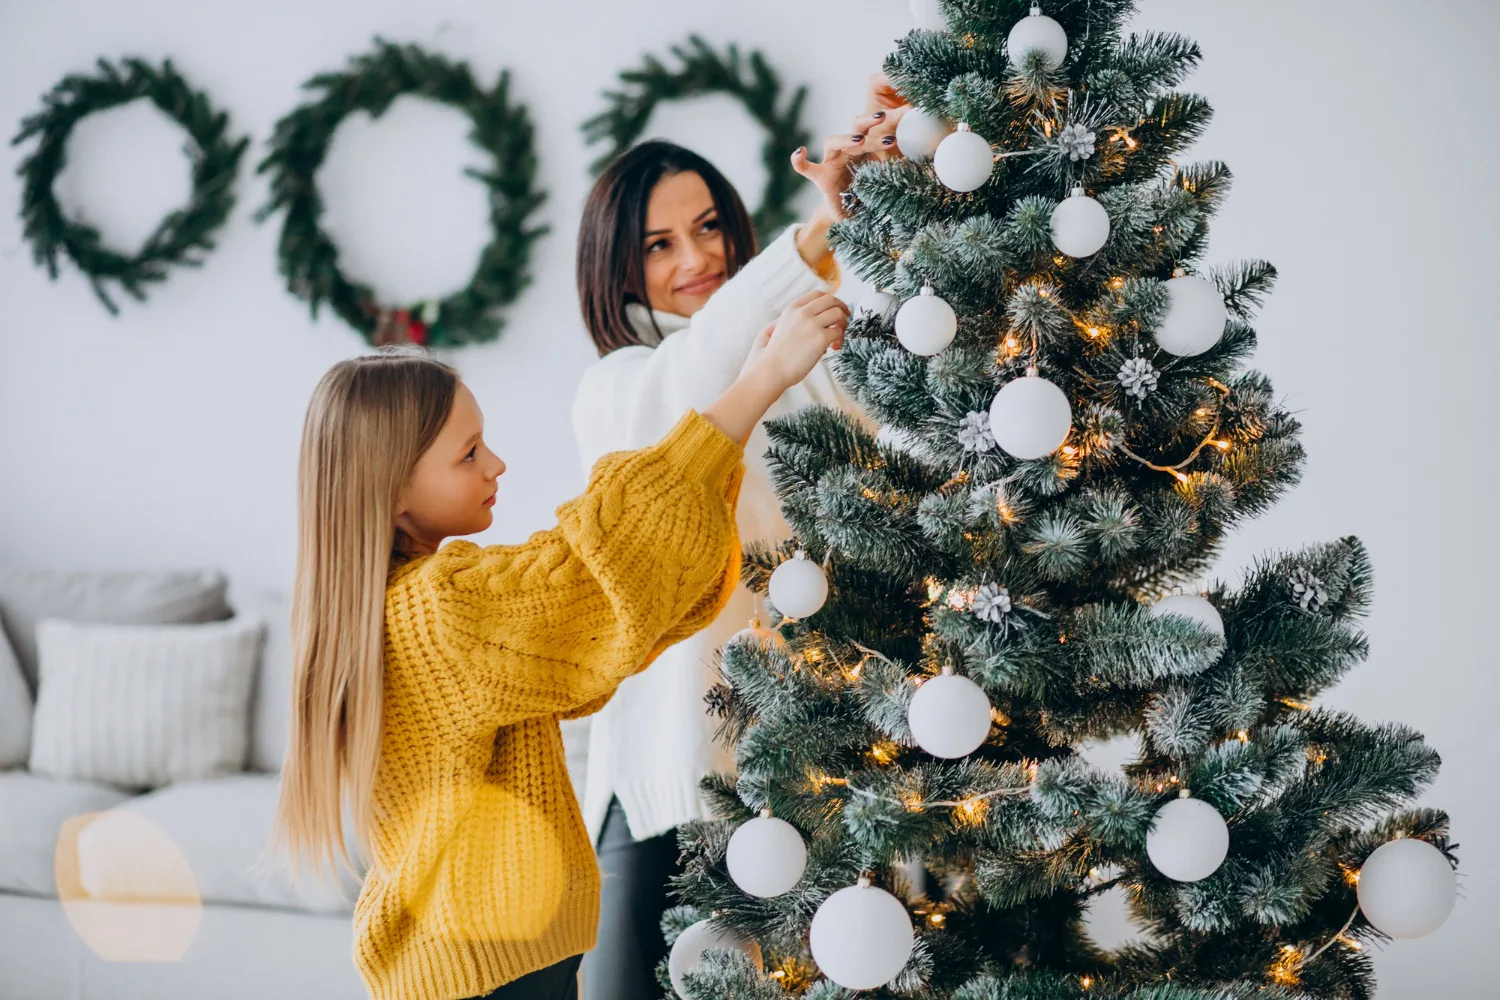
(684, 248)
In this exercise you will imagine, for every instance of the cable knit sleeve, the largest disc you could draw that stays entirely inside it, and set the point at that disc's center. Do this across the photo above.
(632, 396)
(645, 557)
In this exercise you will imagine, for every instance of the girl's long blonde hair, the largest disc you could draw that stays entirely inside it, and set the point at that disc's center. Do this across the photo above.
(369, 420)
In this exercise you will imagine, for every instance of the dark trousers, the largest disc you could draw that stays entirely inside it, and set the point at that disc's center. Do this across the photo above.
(555, 982)
(633, 897)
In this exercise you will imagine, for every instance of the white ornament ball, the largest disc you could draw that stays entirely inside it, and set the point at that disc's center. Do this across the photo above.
(1194, 607)
(798, 587)
(926, 324)
(919, 133)
(1080, 225)
(964, 160)
(881, 304)
(861, 937)
(757, 634)
(1407, 888)
(687, 951)
(1037, 33)
(1030, 417)
(1188, 840)
(929, 15)
(949, 716)
(766, 856)
(1195, 317)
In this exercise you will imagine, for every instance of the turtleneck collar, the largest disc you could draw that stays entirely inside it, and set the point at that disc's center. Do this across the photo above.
(641, 316)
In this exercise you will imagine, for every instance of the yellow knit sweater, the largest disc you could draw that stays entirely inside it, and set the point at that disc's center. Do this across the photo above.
(481, 869)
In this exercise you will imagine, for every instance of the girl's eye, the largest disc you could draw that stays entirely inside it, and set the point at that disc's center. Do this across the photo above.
(711, 226)
(471, 452)
(656, 246)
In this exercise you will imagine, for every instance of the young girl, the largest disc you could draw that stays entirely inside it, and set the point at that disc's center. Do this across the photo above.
(429, 679)
(674, 294)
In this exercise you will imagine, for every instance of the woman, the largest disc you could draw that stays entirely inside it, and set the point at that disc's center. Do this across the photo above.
(674, 297)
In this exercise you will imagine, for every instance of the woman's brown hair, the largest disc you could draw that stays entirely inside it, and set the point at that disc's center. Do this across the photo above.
(612, 235)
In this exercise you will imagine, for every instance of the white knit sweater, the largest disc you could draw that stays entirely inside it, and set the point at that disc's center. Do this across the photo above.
(653, 741)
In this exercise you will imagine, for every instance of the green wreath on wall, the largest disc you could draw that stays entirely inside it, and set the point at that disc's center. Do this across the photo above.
(184, 236)
(702, 71)
(309, 259)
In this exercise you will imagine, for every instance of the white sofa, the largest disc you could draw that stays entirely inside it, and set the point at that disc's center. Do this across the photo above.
(244, 935)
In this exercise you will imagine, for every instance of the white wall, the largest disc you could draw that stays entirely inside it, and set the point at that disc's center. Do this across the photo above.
(1361, 134)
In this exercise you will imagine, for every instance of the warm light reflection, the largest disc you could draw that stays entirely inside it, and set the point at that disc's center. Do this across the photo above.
(126, 888)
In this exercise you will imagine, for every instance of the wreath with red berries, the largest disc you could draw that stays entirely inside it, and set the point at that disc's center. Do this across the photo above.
(309, 259)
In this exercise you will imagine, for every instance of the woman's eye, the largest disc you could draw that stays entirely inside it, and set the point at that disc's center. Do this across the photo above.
(656, 246)
(711, 226)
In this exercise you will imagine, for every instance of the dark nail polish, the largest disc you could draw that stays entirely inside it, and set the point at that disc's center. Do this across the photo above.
(857, 138)
(879, 115)
(801, 149)
(889, 140)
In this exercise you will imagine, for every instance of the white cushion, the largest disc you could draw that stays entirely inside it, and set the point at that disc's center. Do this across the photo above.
(203, 838)
(271, 704)
(32, 813)
(150, 597)
(140, 706)
(15, 709)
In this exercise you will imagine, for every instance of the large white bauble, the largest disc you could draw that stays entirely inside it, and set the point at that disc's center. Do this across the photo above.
(1407, 888)
(1030, 417)
(1037, 33)
(1188, 840)
(687, 951)
(1195, 316)
(949, 716)
(926, 324)
(766, 856)
(798, 587)
(1080, 225)
(929, 15)
(918, 133)
(964, 160)
(1194, 607)
(861, 937)
(881, 304)
(757, 634)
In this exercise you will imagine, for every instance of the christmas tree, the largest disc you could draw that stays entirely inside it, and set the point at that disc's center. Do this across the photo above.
(1069, 430)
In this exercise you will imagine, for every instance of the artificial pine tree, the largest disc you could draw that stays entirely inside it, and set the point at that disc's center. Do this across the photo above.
(1051, 471)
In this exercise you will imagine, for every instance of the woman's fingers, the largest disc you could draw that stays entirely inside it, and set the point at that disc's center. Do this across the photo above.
(836, 154)
(836, 147)
(880, 135)
(879, 93)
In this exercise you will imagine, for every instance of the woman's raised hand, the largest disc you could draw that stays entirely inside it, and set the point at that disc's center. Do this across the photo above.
(873, 136)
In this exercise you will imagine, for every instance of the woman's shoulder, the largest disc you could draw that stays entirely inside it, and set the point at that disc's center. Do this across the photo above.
(596, 392)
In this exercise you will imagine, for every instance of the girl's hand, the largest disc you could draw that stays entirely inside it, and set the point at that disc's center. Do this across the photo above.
(781, 357)
(804, 333)
(761, 340)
